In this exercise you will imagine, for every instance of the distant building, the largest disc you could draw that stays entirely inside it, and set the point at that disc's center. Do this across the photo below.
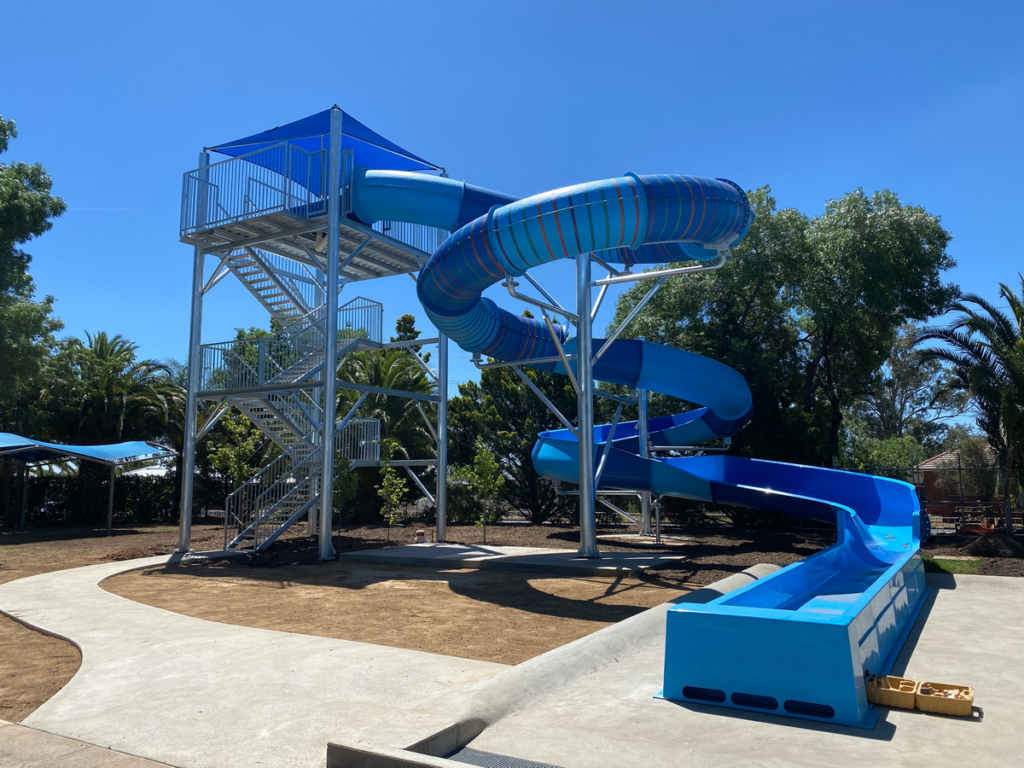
(953, 511)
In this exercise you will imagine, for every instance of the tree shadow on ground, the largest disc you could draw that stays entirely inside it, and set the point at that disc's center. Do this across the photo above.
(507, 589)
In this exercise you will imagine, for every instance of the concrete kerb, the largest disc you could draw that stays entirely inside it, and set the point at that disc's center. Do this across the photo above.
(426, 739)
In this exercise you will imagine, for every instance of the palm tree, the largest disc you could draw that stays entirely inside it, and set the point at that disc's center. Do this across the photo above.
(399, 416)
(986, 349)
(108, 394)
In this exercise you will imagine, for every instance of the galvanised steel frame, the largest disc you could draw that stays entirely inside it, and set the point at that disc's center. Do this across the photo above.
(294, 249)
(583, 382)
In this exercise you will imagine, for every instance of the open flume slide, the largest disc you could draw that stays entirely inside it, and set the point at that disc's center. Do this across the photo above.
(798, 642)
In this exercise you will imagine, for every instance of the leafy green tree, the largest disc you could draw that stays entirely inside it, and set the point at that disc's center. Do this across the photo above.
(406, 330)
(236, 449)
(27, 326)
(345, 487)
(744, 315)
(872, 265)
(985, 348)
(807, 311)
(392, 487)
(502, 412)
(26, 210)
(892, 457)
(101, 392)
(390, 369)
(485, 482)
(909, 397)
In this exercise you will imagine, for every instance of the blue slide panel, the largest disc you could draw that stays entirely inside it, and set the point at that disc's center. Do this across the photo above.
(796, 643)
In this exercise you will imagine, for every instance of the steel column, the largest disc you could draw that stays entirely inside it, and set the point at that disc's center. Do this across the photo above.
(110, 501)
(645, 453)
(188, 449)
(585, 381)
(325, 550)
(24, 497)
(441, 493)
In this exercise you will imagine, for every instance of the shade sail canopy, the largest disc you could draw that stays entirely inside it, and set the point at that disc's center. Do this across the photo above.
(313, 134)
(36, 451)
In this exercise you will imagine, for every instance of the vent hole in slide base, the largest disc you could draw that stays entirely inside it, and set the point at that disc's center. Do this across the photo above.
(752, 700)
(704, 694)
(809, 708)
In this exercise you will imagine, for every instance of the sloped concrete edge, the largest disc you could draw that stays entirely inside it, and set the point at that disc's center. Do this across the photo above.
(456, 719)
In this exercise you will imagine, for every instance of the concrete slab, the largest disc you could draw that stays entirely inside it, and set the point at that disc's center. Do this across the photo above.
(22, 747)
(971, 631)
(531, 559)
(198, 694)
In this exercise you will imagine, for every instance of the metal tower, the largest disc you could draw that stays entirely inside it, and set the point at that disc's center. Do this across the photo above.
(277, 219)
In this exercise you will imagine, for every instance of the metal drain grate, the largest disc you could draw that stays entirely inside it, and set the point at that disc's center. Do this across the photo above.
(492, 760)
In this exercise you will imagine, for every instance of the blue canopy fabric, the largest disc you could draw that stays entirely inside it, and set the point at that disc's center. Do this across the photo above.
(313, 134)
(35, 451)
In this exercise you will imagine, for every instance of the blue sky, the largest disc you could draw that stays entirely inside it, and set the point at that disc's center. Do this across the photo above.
(814, 98)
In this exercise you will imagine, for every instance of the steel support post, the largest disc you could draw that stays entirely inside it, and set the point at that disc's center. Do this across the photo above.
(325, 550)
(188, 449)
(585, 380)
(441, 493)
(24, 497)
(110, 501)
(645, 452)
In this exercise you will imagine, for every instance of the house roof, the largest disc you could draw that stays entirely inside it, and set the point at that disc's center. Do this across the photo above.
(946, 458)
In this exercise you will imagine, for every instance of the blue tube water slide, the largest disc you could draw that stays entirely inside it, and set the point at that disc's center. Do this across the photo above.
(797, 642)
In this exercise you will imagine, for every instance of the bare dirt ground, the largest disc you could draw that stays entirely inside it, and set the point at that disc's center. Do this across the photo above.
(486, 615)
(1000, 553)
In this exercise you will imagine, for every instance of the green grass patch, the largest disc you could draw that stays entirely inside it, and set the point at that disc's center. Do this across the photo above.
(939, 565)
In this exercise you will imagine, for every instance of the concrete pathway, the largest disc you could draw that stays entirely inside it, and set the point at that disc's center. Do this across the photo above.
(532, 559)
(972, 633)
(22, 747)
(198, 694)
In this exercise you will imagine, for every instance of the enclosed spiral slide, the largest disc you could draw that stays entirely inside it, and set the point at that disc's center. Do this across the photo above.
(797, 642)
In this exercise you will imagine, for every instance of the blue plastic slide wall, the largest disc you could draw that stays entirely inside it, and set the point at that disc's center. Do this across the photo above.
(796, 643)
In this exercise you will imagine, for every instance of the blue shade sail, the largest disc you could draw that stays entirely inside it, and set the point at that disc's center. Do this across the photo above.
(35, 451)
(312, 134)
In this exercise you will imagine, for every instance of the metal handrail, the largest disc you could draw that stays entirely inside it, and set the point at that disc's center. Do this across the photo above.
(264, 502)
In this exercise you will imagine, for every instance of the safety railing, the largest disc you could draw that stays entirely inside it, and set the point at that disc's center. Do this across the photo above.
(424, 238)
(295, 277)
(282, 177)
(294, 354)
(266, 500)
(359, 441)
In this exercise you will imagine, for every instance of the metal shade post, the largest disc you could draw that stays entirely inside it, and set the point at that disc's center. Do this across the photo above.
(110, 501)
(188, 450)
(325, 550)
(24, 496)
(585, 400)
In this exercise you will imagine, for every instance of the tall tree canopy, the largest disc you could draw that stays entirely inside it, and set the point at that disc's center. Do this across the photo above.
(27, 327)
(807, 311)
(101, 392)
(908, 397)
(985, 347)
(505, 416)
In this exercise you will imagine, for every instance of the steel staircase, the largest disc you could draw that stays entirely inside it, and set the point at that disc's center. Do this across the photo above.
(280, 293)
(273, 381)
(284, 491)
